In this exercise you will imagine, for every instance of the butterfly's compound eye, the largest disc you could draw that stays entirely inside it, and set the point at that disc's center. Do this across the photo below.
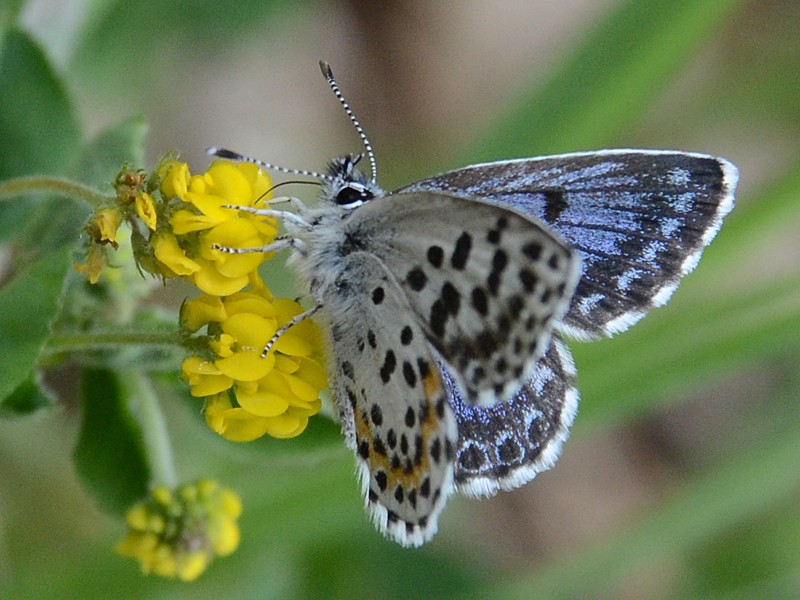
(353, 194)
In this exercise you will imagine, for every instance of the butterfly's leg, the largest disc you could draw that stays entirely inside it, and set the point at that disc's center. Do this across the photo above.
(281, 330)
(296, 203)
(266, 212)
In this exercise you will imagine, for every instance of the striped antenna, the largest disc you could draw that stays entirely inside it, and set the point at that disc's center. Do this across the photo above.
(231, 155)
(326, 71)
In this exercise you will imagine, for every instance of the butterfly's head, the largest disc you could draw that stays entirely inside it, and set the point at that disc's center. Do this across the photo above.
(346, 185)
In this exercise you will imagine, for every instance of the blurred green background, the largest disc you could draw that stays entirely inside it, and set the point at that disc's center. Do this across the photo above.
(682, 477)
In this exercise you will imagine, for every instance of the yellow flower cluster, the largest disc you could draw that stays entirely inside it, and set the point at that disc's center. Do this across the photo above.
(176, 533)
(178, 218)
(180, 227)
(186, 247)
(179, 222)
(275, 394)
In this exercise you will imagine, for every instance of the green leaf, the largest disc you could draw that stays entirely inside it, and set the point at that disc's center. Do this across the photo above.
(110, 455)
(433, 576)
(38, 129)
(103, 157)
(27, 398)
(37, 124)
(59, 220)
(9, 13)
(28, 305)
(745, 557)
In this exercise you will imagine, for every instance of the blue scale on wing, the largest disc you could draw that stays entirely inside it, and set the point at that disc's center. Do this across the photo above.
(640, 219)
(504, 446)
(487, 284)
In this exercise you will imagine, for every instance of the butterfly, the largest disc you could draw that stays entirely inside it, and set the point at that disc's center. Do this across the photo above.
(445, 304)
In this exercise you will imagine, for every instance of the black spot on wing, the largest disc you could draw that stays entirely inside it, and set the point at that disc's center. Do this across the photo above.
(479, 301)
(438, 318)
(416, 279)
(435, 256)
(461, 251)
(532, 250)
(451, 298)
(555, 202)
(389, 364)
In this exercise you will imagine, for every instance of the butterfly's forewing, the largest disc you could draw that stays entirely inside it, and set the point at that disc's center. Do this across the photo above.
(392, 402)
(640, 219)
(504, 446)
(487, 284)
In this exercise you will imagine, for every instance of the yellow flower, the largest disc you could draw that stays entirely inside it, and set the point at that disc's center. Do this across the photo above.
(177, 533)
(146, 209)
(184, 221)
(204, 377)
(171, 255)
(174, 179)
(234, 424)
(202, 223)
(234, 233)
(104, 225)
(95, 261)
(247, 395)
(201, 311)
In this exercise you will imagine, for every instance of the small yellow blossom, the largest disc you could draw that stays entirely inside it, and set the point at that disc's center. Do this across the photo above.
(95, 261)
(204, 199)
(247, 395)
(201, 311)
(146, 209)
(209, 279)
(186, 221)
(174, 179)
(104, 225)
(204, 377)
(181, 220)
(176, 533)
(171, 255)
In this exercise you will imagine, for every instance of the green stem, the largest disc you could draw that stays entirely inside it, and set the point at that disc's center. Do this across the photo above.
(146, 410)
(94, 341)
(20, 186)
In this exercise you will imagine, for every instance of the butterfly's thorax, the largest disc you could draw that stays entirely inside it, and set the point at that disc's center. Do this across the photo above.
(327, 265)
(324, 265)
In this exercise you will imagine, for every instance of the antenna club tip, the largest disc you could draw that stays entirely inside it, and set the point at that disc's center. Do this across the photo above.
(326, 69)
(223, 153)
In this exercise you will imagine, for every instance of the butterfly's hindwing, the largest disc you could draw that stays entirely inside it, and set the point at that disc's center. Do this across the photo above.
(486, 284)
(504, 446)
(392, 402)
(640, 219)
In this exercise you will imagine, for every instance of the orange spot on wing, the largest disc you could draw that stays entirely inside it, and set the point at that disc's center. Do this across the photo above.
(432, 384)
(428, 424)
